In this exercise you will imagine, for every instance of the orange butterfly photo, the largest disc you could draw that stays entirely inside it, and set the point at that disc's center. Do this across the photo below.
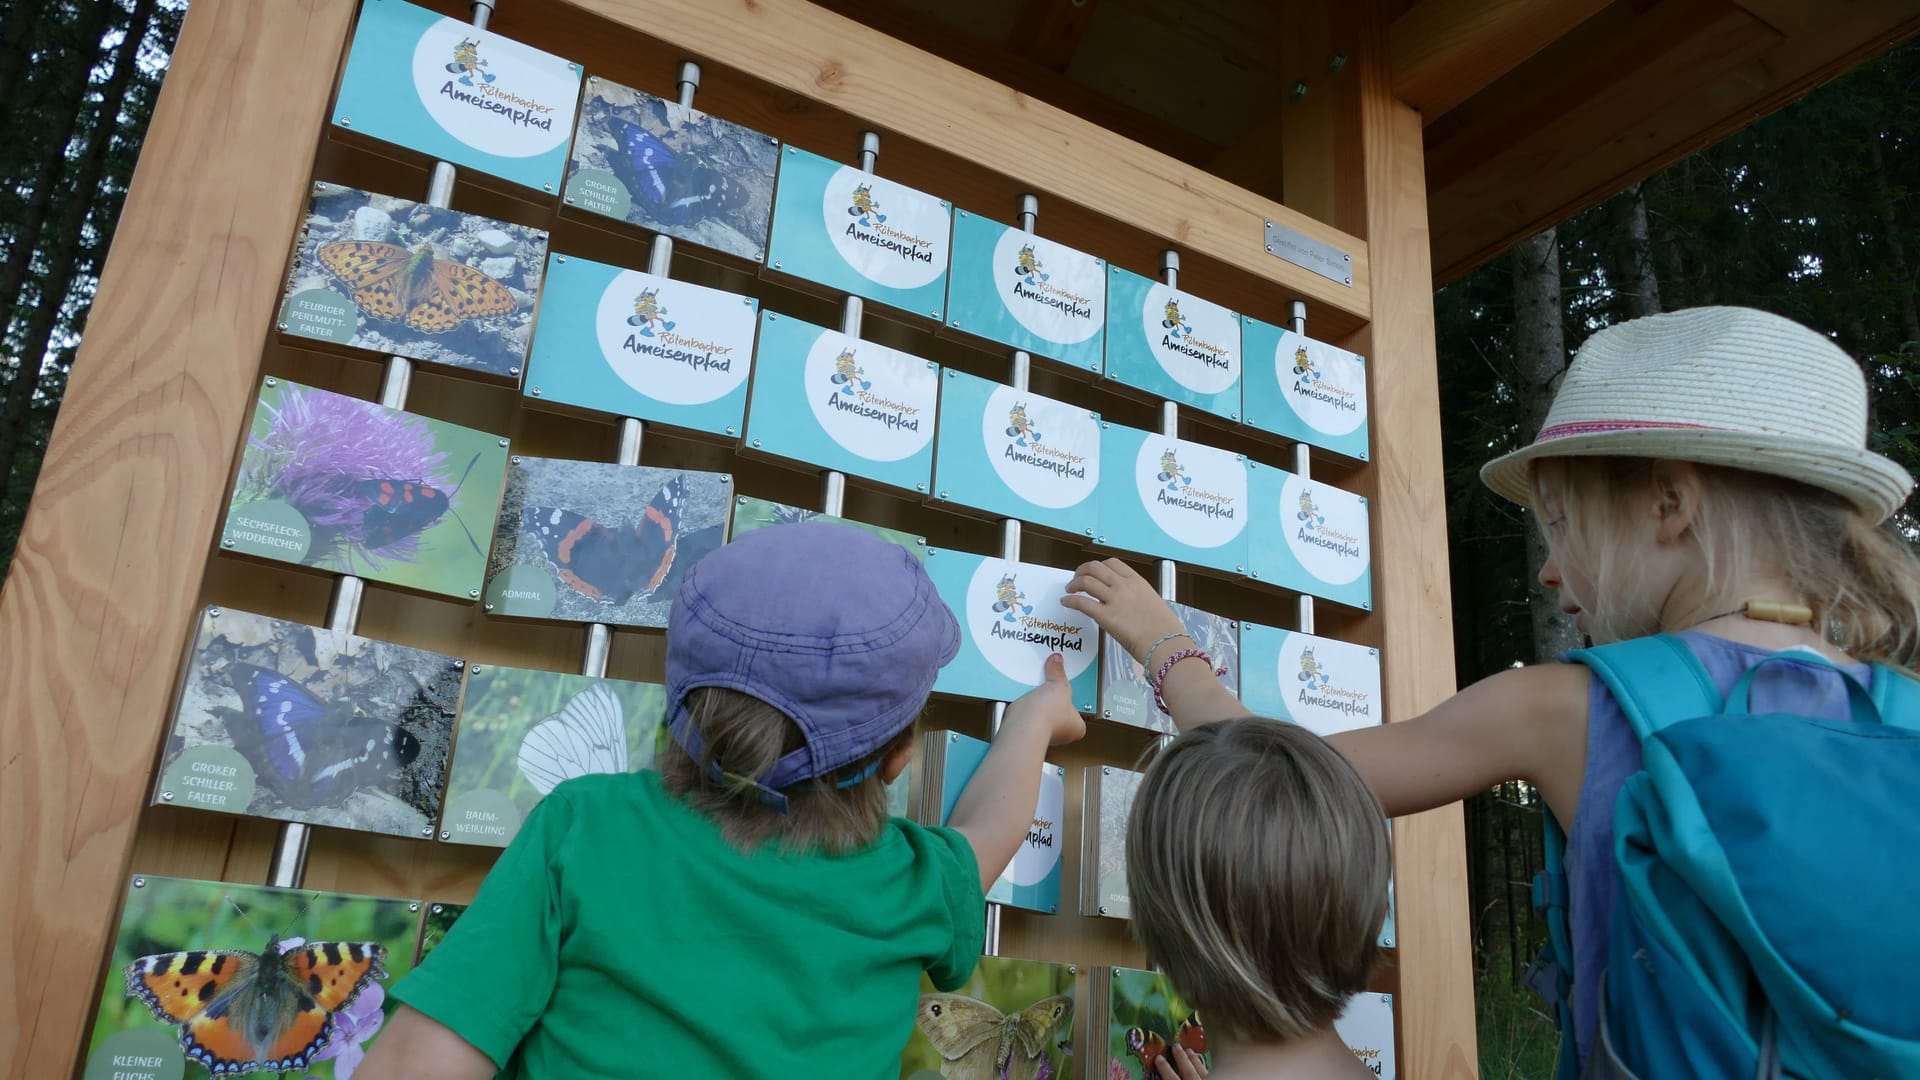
(219, 979)
(402, 278)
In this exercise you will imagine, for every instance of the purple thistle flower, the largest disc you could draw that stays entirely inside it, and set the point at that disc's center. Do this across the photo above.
(319, 446)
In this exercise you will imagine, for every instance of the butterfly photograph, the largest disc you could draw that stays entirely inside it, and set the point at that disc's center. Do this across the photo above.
(750, 513)
(1013, 1020)
(299, 723)
(338, 483)
(435, 921)
(403, 278)
(1145, 1019)
(586, 541)
(220, 979)
(1125, 697)
(683, 173)
(525, 732)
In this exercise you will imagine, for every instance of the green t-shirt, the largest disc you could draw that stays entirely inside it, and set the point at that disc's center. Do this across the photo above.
(621, 935)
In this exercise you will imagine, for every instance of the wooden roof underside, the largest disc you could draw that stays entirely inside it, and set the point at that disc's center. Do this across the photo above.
(1534, 109)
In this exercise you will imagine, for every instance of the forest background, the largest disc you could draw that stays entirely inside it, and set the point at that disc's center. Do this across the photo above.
(1811, 212)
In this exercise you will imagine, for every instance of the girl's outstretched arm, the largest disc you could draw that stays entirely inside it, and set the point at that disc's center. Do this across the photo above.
(1526, 724)
(995, 809)
(415, 1046)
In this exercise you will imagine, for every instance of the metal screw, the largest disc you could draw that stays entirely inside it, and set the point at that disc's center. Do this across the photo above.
(756, 444)
(515, 459)
(1269, 249)
(739, 500)
(426, 831)
(346, 121)
(776, 265)
(747, 300)
(444, 835)
(475, 593)
(1233, 416)
(1336, 62)
(166, 796)
(503, 442)
(228, 542)
(1349, 281)
(489, 607)
(1107, 713)
(458, 663)
(568, 200)
(437, 909)
(1240, 569)
(1054, 909)
(510, 371)
(1103, 909)
(415, 906)
(955, 323)
(273, 382)
(535, 391)
(1269, 225)
(1298, 92)
(759, 254)
(139, 883)
(726, 478)
(1386, 942)
(944, 495)
(475, 669)
(789, 149)
(281, 325)
(729, 429)
(213, 613)
(559, 258)
(1106, 770)
(933, 314)
(1346, 258)
(920, 488)
(1366, 605)
(1373, 652)
(1089, 532)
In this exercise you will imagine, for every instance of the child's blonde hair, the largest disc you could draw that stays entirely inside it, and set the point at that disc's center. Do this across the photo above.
(1258, 863)
(1862, 580)
(745, 736)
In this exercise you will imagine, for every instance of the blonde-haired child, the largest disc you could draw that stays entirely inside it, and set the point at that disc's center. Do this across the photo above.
(1702, 473)
(1258, 864)
(750, 909)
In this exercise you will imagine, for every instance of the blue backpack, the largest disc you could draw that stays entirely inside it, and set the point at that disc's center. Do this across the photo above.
(1766, 917)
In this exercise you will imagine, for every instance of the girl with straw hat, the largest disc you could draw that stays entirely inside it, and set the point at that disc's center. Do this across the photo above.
(1702, 474)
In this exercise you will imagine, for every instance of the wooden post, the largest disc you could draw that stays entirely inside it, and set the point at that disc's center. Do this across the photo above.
(99, 606)
(1435, 1001)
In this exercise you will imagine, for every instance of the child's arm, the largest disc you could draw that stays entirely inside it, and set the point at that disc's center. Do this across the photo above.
(995, 811)
(415, 1046)
(1526, 724)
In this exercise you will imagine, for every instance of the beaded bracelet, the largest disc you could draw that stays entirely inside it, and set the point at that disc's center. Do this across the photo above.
(1161, 675)
(1147, 656)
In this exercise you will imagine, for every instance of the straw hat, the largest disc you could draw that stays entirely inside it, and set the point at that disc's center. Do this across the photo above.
(1718, 386)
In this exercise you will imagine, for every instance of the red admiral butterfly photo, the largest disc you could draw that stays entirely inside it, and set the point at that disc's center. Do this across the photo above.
(612, 565)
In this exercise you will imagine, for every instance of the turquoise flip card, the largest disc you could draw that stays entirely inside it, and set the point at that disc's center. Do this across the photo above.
(1032, 879)
(1011, 618)
(1027, 291)
(1172, 344)
(860, 233)
(1325, 686)
(1310, 537)
(1304, 389)
(1017, 454)
(632, 344)
(436, 85)
(841, 403)
(1173, 499)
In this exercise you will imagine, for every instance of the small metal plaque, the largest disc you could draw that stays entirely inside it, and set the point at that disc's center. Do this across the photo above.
(1303, 250)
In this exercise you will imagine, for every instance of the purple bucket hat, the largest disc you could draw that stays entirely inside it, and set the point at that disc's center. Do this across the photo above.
(838, 629)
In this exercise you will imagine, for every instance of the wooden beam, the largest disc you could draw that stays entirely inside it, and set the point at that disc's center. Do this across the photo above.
(99, 606)
(1445, 51)
(1048, 32)
(1411, 584)
(850, 67)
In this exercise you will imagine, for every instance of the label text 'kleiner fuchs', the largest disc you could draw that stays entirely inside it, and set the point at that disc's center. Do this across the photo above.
(1333, 540)
(1332, 395)
(1350, 702)
(1058, 637)
(1203, 502)
(1062, 463)
(267, 533)
(874, 407)
(1041, 834)
(1208, 354)
(506, 103)
(1053, 296)
(479, 823)
(905, 245)
(680, 349)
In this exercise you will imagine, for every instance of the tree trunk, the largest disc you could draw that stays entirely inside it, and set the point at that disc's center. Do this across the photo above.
(1636, 283)
(1540, 355)
(16, 28)
(52, 171)
(67, 241)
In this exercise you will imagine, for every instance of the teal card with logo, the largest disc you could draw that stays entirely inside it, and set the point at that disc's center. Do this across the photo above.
(1018, 454)
(632, 344)
(1032, 879)
(1172, 344)
(1366, 1026)
(418, 79)
(1027, 291)
(1011, 618)
(860, 233)
(1173, 499)
(1311, 537)
(841, 403)
(1325, 686)
(1304, 389)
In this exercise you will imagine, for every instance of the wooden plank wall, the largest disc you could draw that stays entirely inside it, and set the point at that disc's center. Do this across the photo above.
(119, 554)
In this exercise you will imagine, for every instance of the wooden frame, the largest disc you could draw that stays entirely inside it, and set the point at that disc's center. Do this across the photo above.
(118, 549)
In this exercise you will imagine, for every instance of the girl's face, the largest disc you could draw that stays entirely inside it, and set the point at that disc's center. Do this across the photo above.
(1607, 536)
(1572, 585)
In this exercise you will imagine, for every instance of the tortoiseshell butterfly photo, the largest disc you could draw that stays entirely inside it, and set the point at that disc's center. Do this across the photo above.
(590, 541)
(283, 720)
(211, 978)
(401, 278)
(341, 484)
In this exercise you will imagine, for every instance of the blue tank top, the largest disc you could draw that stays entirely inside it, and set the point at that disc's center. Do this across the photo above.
(1809, 688)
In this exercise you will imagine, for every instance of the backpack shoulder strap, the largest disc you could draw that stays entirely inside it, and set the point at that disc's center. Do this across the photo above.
(1656, 680)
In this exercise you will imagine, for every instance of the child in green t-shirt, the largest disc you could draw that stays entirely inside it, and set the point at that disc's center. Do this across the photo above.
(750, 909)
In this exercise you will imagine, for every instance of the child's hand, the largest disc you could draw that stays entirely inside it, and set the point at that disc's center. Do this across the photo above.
(1191, 1066)
(1120, 600)
(1050, 705)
